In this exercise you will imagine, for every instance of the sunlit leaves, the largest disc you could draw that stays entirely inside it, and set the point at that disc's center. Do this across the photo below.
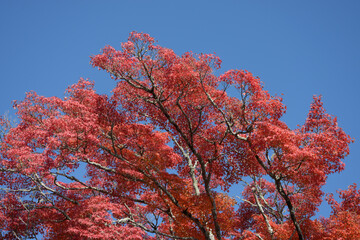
(157, 157)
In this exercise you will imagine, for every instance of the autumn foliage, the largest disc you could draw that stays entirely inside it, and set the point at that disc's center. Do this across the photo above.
(157, 157)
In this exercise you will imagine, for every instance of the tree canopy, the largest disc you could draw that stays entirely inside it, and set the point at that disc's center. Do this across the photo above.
(157, 157)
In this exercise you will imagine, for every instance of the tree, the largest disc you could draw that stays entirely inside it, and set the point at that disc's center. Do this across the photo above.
(160, 154)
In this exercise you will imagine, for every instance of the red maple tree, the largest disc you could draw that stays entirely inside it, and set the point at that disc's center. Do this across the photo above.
(160, 154)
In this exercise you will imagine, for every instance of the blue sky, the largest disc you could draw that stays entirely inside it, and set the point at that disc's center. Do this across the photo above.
(297, 48)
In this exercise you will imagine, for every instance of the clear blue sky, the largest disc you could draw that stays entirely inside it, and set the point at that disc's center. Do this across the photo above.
(298, 48)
